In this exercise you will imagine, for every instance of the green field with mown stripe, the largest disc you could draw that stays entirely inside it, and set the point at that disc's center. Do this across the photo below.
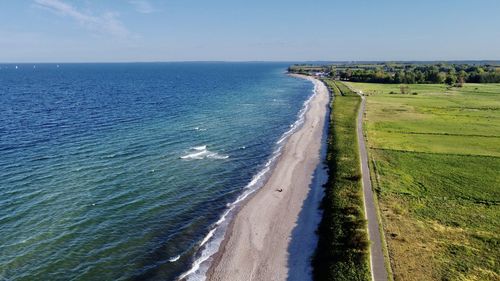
(435, 161)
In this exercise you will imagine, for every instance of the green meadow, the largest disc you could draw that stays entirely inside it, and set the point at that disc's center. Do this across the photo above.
(435, 163)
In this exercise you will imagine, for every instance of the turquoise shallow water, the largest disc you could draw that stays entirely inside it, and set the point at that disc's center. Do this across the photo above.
(119, 171)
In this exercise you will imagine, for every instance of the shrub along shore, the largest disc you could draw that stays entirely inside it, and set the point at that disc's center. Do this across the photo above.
(343, 246)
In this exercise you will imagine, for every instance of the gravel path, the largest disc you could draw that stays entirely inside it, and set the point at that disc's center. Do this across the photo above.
(379, 271)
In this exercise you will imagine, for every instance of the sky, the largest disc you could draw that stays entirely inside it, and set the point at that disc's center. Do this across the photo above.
(250, 30)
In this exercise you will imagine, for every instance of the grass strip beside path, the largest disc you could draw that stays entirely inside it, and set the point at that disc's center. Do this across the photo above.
(343, 246)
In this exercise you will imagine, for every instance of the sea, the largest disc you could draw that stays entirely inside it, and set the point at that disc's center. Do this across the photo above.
(132, 171)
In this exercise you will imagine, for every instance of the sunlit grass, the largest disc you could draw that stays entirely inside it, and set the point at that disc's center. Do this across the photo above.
(435, 162)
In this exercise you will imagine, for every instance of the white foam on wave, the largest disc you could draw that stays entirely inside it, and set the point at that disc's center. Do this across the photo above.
(209, 245)
(217, 156)
(223, 217)
(211, 242)
(113, 155)
(196, 155)
(174, 259)
(209, 235)
(201, 152)
(300, 117)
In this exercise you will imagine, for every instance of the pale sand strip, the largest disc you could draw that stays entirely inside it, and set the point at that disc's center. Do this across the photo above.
(256, 246)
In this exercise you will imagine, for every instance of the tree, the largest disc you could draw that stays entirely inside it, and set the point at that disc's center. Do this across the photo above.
(441, 77)
(404, 89)
(451, 79)
(419, 76)
(432, 75)
(410, 77)
(348, 73)
(461, 78)
(399, 77)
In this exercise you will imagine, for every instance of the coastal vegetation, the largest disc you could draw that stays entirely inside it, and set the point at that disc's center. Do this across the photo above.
(408, 73)
(435, 157)
(343, 247)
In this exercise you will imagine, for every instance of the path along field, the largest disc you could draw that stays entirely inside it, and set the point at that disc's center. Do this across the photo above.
(435, 163)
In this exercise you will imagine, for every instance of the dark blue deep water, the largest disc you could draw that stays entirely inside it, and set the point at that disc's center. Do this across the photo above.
(119, 171)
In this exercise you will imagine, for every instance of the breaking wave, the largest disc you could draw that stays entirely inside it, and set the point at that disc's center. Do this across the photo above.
(201, 152)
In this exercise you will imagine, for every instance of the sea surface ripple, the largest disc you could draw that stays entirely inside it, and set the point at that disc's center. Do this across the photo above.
(121, 171)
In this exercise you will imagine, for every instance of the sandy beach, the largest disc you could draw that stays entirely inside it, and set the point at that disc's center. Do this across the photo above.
(258, 244)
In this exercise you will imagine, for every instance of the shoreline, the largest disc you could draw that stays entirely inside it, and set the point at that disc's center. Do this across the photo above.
(211, 245)
(257, 244)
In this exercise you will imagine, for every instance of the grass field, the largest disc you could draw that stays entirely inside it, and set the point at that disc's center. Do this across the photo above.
(435, 162)
(343, 246)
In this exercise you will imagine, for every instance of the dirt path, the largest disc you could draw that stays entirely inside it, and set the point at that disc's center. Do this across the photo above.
(377, 262)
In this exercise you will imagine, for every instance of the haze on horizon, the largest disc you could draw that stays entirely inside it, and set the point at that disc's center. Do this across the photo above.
(224, 30)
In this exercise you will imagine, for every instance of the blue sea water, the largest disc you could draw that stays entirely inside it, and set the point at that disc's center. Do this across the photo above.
(123, 171)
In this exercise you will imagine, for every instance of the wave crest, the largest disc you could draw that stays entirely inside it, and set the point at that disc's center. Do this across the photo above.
(201, 152)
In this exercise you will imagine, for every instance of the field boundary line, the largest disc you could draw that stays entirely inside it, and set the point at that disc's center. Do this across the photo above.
(433, 153)
(439, 134)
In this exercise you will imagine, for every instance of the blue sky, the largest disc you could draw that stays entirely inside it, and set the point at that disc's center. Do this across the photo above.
(237, 30)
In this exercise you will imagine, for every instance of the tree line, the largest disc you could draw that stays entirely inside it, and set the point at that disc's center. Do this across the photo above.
(452, 74)
(424, 74)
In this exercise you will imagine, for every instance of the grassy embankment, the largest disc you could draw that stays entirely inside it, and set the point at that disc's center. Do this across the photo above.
(435, 162)
(343, 247)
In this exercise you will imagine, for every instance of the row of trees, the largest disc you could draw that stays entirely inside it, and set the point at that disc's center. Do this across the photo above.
(413, 74)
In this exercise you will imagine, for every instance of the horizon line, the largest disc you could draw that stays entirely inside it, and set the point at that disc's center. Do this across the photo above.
(252, 61)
